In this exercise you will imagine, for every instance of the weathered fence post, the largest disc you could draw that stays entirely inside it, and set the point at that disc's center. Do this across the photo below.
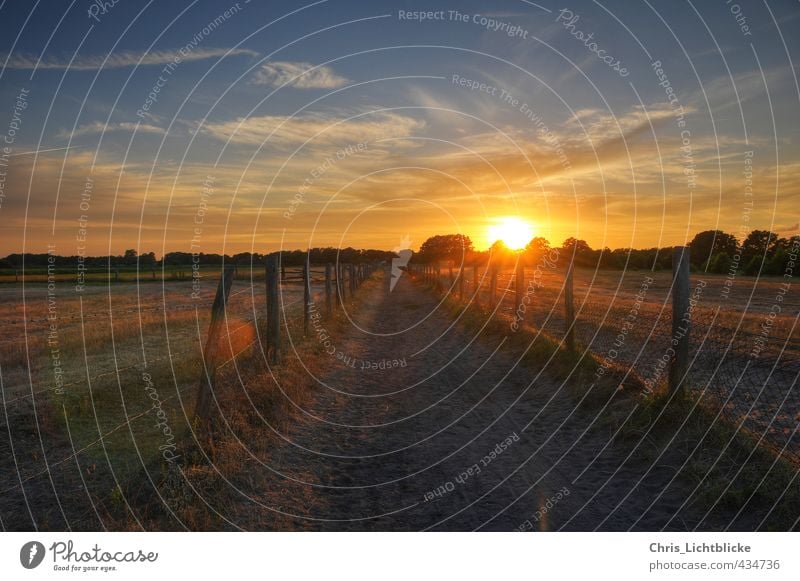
(328, 290)
(202, 410)
(273, 272)
(306, 294)
(340, 282)
(679, 362)
(519, 285)
(569, 308)
(352, 275)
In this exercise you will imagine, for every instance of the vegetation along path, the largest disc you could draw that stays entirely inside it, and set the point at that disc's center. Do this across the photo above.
(417, 423)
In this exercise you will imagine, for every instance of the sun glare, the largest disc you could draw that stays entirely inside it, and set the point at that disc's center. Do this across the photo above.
(512, 232)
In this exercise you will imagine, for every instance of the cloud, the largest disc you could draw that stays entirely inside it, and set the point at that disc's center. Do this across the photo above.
(322, 129)
(298, 75)
(97, 127)
(120, 60)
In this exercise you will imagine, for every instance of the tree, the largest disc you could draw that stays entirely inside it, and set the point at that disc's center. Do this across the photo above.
(129, 259)
(148, 259)
(776, 264)
(710, 242)
(500, 255)
(445, 247)
(577, 250)
(757, 247)
(537, 247)
(720, 263)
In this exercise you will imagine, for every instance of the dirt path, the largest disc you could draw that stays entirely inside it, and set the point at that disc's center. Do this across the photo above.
(456, 437)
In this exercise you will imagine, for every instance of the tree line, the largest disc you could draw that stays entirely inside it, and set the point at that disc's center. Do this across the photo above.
(761, 252)
(148, 260)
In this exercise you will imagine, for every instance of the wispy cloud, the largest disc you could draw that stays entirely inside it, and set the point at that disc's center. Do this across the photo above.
(120, 60)
(325, 129)
(298, 75)
(97, 128)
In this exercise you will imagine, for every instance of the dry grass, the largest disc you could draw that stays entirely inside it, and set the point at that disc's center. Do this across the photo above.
(726, 469)
(98, 434)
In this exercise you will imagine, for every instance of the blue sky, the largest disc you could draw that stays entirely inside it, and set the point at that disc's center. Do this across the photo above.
(264, 97)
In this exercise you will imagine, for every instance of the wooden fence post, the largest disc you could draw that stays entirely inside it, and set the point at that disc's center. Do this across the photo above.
(273, 272)
(569, 308)
(328, 290)
(519, 284)
(306, 294)
(681, 325)
(202, 410)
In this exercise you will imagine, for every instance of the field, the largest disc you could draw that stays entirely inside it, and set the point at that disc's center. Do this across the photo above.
(99, 389)
(745, 341)
(100, 384)
(105, 275)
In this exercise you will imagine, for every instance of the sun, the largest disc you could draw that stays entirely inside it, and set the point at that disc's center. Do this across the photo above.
(512, 232)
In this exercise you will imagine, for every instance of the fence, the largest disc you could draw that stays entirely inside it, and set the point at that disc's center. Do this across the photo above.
(237, 309)
(738, 350)
(340, 282)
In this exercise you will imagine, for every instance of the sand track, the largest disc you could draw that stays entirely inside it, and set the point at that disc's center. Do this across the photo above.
(411, 447)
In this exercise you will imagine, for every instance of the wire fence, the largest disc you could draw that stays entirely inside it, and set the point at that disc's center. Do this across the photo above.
(741, 336)
(242, 312)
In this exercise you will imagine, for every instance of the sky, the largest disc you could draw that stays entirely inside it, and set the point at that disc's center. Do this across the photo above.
(253, 126)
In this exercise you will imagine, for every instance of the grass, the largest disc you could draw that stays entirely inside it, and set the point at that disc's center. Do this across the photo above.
(105, 429)
(253, 402)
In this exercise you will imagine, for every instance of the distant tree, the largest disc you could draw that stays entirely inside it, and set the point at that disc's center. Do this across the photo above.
(757, 249)
(577, 250)
(147, 260)
(500, 255)
(537, 247)
(605, 258)
(720, 263)
(753, 266)
(710, 242)
(129, 258)
(445, 247)
(777, 263)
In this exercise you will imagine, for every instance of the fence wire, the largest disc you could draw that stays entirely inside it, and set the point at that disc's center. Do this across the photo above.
(744, 350)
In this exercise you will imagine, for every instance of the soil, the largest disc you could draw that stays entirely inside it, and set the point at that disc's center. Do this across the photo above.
(416, 423)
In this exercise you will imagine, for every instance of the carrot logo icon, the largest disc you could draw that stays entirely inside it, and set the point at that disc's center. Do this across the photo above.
(404, 253)
(31, 554)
